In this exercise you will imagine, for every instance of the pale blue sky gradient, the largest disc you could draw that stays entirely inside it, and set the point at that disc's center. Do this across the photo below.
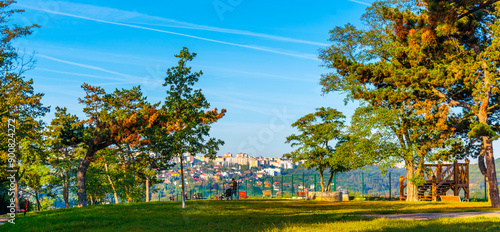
(259, 58)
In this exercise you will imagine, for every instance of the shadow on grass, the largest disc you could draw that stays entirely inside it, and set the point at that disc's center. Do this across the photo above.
(208, 215)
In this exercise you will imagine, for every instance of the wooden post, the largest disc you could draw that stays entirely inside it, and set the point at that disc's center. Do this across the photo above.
(439, 169)
(456, 188)
(466, 178)
(434, 190)
(401, 188)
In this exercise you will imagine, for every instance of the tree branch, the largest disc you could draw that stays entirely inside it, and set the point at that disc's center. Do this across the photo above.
(452, 102)
(480, 7)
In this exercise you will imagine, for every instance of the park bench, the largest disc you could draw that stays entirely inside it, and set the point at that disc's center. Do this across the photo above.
(450, 199)
(242, 194)
(266, 193)
(302, 195)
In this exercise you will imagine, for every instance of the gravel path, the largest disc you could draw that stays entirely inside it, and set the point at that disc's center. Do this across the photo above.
(423, 216)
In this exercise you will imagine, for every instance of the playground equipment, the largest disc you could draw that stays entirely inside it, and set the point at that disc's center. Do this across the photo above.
(439, 178)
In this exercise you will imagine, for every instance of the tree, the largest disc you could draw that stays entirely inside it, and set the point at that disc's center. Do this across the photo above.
(465, 70)
(112, 119)
(318, 131)
(18, 100)
(375, 65)
(62, 147)
(185, 118)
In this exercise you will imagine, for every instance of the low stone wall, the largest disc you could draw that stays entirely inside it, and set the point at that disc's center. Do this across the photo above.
(325, 196)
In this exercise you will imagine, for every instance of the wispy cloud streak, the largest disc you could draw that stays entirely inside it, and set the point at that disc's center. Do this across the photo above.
(310, 57)
(237, 32)
(84, 66)
(360, 2)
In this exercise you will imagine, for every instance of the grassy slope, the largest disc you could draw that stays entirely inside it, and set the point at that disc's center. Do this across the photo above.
(252, 215)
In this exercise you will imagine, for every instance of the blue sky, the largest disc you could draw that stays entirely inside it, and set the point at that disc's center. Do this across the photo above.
(259, 58)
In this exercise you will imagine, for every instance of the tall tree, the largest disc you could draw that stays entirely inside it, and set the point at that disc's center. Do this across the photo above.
(185, 117)
(18, 100)
(112, 119)
(376, 66)
(63, 150)
(463, 39)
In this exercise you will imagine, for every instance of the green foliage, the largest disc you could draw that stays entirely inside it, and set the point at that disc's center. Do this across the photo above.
(418, 180)
(318, 131)
(184, 116)
(481, 129)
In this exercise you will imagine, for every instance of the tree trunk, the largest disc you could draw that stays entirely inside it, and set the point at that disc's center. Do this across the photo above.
(80, 176)
(491, 173)
(65, 189)
(480, 160)
(124, 167)
(329, 182)
(147, 189)
(411, 188)
(321, 178)
(182, 184)
(482, 166)
(37, 200)
(16, 190)
(482, 117)
(111, 183)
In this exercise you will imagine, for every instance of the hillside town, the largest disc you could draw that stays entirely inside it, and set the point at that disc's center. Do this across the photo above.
(229, 165)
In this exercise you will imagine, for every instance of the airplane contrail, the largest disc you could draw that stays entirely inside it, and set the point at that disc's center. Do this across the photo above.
(310, 57)
(360, 2)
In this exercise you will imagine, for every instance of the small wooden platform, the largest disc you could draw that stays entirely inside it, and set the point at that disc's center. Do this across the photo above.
(439, 178)
(450, 199)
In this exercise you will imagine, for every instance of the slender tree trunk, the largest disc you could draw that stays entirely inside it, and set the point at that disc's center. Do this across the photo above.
(16, 190)
(411, 188)
(329, 182)
(482, 117)
(491, 173)
(65, 183)
(111, 183)
(482, 166)
(37, 200)
(321, 181)
(124, 168)
(182, 184)
(147, 189)
(80, 176)
(148, 198)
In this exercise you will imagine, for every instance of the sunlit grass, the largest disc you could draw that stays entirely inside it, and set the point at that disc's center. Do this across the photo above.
(253, 215)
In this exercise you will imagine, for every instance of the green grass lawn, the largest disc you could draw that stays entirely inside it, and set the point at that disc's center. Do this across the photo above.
(253, 215)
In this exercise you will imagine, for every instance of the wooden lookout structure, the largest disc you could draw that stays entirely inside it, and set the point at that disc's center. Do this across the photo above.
(439, 179)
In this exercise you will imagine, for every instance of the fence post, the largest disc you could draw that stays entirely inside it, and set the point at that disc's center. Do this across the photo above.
(272, 186)
(334, 181)
(390, 187)
(303, 183)
(362, 184)
(253, 192)
(282, 194)
(314, 182)
(401, 188)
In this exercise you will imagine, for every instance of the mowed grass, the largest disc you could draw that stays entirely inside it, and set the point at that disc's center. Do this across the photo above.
(254, 215)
